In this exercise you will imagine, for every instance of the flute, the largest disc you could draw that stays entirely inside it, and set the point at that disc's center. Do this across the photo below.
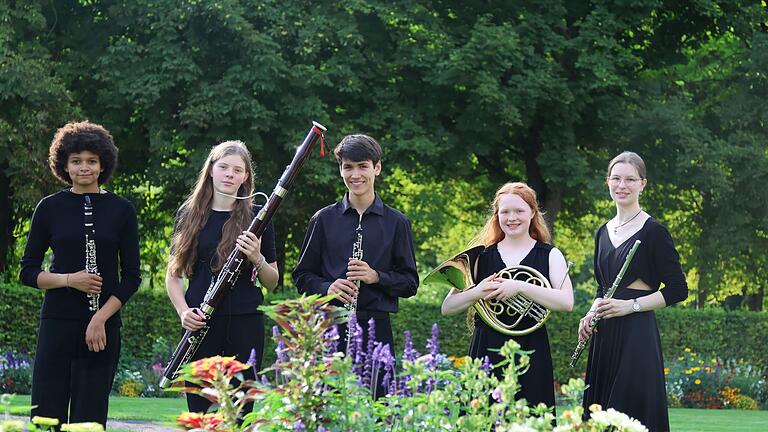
(593, 322)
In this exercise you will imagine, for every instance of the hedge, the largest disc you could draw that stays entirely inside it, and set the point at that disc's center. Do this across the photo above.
(149, 315)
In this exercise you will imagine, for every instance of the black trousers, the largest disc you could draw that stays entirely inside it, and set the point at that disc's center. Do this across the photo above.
(69, 382)
(383, 328)
(231, 335)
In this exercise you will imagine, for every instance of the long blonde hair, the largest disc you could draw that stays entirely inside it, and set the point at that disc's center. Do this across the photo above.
(193, 214)
(492, 233)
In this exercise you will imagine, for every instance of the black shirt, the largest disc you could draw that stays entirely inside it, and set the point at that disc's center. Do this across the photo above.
(58, 223)
(244, 297)
(655, 262)
(387, 248)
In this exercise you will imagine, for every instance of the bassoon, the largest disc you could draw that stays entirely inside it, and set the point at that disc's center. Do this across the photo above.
(233, 265)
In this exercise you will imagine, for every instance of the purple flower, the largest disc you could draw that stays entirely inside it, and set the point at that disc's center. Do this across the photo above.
(433, 347)
(252, 359)
(372, 367)
(299, 426)
(496, 394)
(358, 361)
(486, 366)
(409, 353)
(331, 338)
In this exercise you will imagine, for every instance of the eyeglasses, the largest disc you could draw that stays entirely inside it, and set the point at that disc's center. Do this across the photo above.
(629, 181)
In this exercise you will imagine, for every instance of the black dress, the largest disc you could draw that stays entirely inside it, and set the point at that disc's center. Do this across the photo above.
(625, 370)
(537, 384)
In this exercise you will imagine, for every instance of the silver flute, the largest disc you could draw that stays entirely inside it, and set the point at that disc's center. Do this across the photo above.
(90, 251)
(609, 294)
(357, 253)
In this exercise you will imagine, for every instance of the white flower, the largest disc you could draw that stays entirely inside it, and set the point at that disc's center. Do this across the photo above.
(621, 421)
(519, 428)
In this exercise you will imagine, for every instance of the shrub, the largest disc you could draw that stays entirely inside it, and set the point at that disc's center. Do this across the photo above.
(316, 389)
(696, 382)
(744, 402)
(15, 373)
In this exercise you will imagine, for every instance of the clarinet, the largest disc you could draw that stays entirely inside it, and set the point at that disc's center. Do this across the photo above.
(357, 253)
(593, 322)
(90, 251)
(229, 273)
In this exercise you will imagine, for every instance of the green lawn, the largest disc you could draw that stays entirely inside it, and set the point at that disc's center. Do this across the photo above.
(161, 410)
(701, 420)
(681, 419)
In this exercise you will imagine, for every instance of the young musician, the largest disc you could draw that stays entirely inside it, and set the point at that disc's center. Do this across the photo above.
(210, 224)
(625, 370)
(387, 270)
(515, 234)
(79, 336)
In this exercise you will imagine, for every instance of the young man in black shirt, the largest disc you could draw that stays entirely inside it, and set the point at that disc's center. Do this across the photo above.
(387, 271)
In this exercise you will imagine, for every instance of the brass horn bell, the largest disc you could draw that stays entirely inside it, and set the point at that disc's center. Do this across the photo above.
(515, 316)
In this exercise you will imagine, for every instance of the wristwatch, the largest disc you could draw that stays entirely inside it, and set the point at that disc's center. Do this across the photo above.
(635, 306)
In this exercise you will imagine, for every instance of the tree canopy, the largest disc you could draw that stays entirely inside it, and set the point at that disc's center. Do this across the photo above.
(463, 95)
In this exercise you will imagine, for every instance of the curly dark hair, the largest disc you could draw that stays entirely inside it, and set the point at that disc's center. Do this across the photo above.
(75, 137)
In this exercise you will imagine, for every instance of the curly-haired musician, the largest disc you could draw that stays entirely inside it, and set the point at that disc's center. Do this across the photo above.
(515, 234)
(93, 235)
(209, 225)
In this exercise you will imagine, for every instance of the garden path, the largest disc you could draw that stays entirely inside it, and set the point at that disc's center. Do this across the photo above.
(126, 425)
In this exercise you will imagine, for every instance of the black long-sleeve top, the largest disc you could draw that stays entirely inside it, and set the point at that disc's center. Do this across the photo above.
(244, 297)
(387, 248)
(58, 224)
(655, 262)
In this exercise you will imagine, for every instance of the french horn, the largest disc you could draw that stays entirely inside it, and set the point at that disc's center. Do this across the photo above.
(514, 316)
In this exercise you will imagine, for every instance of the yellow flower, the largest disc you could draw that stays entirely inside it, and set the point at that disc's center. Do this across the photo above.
(595, 407)
(12, 426)
(666, 371)
(698, 381)
(687, 350)
(45, 421)
(82, 427)
(475, 404)
(458, 362)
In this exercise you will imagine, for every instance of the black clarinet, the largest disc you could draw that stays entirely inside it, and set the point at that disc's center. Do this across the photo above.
(233, 265)
(90, 250)
(357, 253)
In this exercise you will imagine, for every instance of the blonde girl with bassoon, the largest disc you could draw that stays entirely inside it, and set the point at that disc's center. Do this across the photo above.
(210, 223)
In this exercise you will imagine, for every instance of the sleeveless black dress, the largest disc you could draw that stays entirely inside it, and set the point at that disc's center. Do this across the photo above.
(537, 384)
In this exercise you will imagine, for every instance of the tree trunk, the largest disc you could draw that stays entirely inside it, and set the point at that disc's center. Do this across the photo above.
(6, 218)
(550, 198)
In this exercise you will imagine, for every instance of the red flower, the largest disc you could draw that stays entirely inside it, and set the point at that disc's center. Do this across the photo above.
(210, 368)
(209, 422)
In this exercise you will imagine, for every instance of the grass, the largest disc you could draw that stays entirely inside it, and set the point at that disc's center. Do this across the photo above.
(681, 419)
(701, 420)
(160, 410)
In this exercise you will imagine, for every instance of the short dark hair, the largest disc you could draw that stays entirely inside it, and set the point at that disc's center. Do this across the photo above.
(358, 148)
(75, 137)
